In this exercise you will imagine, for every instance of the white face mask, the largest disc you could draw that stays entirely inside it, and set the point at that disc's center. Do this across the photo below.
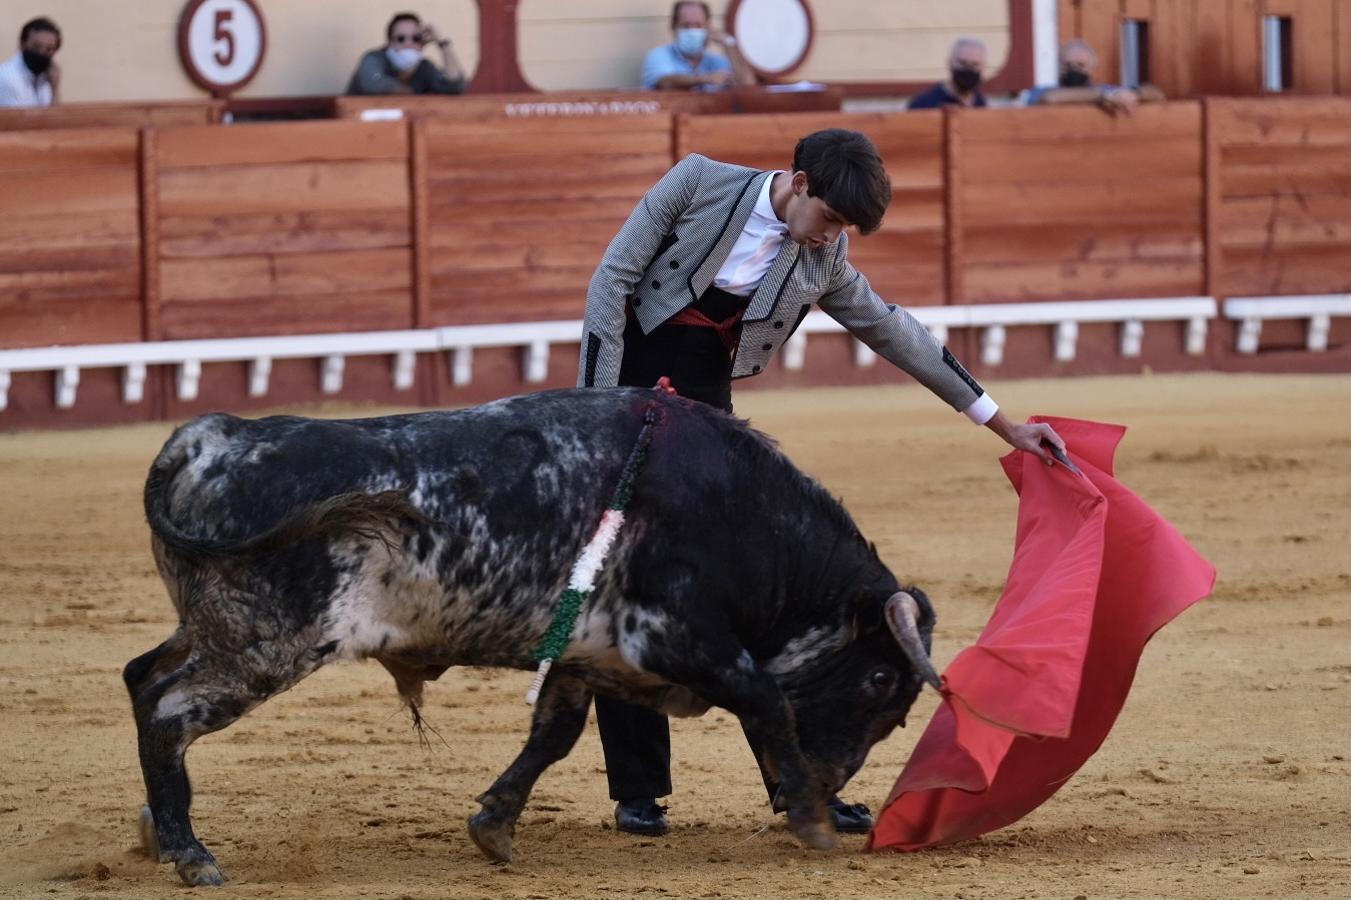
(404, 57)
(690, 41)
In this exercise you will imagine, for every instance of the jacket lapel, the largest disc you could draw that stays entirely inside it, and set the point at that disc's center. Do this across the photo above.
(767, 293)
(736, 223)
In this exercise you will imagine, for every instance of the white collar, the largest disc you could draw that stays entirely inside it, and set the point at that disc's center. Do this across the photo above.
(764, 208)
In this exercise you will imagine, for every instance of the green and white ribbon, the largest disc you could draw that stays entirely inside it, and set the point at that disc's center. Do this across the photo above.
(588, 565)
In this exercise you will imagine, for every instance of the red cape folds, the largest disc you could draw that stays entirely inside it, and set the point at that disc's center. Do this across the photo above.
(1095, 573)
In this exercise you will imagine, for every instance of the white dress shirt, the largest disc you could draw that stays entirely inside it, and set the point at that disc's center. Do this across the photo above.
(20, 87)
(755, 249)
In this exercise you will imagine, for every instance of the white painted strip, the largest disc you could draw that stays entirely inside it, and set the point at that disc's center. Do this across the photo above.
(300, 346)
(1304, 306)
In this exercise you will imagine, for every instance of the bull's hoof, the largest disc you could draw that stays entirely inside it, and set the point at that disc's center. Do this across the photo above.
(197, 867)
(492, 836)
(814, 835)
(149, 839)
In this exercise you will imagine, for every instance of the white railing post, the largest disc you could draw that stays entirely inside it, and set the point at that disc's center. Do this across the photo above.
(260, 373)
(462, 366)
(67, 383)
(188, 379)
(992, 345)
(405, 367)
(1132, 337)
(334, 365)
(795, 352)
(1319, 325)
(1066, 340)
(133, 383)
(536, 361)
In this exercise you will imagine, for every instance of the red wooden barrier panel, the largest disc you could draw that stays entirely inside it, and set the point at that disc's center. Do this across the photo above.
(1069, 203)
(904, 258)
(1282, 195)
(283, 229)
(70, 250)
(89, 115)
(521, 209)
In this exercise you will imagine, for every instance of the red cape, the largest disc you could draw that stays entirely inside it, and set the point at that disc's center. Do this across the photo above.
(1095, 573)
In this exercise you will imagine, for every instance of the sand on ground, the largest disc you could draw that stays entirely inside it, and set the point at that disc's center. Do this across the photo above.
(1226, 775)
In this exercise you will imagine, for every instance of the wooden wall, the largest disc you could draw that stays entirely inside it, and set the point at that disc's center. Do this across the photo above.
(87, 115)
(1079, 204)
(1282, 202)
(520, 210)
(283, 229)
(197, 231)
(1214, 47)
(70, 237)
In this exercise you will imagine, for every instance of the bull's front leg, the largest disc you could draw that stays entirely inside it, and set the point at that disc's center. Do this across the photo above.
(726, 676)
(559, 718)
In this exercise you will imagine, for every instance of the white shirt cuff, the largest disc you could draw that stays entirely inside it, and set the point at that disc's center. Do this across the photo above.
(982, 410)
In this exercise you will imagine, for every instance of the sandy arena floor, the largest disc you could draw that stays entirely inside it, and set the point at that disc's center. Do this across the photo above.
(1226, 776)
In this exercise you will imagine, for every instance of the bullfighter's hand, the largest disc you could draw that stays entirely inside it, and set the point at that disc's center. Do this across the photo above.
(1027, 436)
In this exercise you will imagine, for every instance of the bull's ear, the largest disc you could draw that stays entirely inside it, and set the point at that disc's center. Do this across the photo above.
(868, 615)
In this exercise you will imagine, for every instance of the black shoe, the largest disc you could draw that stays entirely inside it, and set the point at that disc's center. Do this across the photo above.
(849, 818)
(645, 816)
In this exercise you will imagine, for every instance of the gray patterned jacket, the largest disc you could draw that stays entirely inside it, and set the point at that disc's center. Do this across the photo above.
(671, 248)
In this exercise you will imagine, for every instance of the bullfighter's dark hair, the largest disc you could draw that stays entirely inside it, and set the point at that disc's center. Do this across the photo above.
(400, 17)
(675, 10)
(845, 170)
(41, 23)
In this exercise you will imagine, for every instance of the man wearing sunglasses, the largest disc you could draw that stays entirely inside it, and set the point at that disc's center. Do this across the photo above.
(400, 68)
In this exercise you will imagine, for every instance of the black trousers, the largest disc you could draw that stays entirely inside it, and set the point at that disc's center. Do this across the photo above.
(637, 740)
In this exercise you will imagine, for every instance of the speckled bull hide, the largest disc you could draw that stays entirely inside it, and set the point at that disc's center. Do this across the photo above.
(444, 538)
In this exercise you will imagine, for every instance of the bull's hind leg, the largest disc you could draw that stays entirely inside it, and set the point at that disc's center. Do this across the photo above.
(180, 692)
(560, 716)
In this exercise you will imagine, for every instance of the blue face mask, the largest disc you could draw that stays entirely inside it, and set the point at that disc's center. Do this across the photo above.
(690, 41)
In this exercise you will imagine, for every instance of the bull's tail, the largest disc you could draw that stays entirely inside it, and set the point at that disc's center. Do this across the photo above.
(385, 516)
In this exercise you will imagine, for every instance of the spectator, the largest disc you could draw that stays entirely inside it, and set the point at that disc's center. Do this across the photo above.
(1077, 64)
(400, 68)
(685, 65)
(31, 77)
(966, 65)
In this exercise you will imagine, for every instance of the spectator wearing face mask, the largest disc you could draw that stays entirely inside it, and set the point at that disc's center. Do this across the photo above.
(966, 67)
(30, 77)
(686, 65)
(1077, 64)
(400, 68)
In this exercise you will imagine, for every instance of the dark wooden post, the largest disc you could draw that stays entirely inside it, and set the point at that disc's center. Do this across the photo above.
(499, 67)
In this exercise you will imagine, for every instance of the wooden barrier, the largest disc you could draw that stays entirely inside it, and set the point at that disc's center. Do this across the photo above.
(1072, 203)
(1281, 195)
(520, 210)
(904, 259)
(586, 104)
(89, 115)
(283, 229)
(177, 233)
(70, 247)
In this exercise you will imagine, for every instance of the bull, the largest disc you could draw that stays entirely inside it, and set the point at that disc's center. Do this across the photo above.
(437, 539)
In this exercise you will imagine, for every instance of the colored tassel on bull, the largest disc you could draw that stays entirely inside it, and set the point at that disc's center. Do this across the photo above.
(589, 562)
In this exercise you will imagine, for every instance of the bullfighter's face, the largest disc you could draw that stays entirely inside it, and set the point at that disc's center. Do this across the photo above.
(811, 222)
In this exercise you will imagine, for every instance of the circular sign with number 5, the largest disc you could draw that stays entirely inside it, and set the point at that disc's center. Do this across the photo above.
(221, 43)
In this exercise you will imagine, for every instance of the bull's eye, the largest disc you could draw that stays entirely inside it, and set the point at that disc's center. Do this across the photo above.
(880, 681)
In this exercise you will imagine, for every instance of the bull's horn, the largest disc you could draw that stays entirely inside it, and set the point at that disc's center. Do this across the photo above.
(902, 613)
